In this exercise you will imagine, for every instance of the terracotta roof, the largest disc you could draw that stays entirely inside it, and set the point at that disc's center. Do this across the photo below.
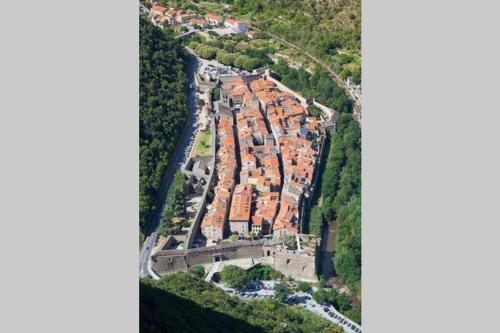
(214, 17)
(240, 203)
(158, 8)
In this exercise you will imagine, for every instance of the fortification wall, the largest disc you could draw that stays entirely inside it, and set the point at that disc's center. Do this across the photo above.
(195, 226)
(291, 263)
(295, 265)
(168, 261)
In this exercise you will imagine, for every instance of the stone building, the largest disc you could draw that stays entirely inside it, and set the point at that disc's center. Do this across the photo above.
(239, 216)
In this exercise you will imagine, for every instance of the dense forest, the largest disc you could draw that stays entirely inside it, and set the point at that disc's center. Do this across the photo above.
(318, 85)
(182, 302)
(339, 199)
(162, 109)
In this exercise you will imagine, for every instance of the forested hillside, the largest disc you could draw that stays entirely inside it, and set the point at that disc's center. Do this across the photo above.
(318, 85)
(340, 200)
(329, 29)
(182, 302)
(162, 109)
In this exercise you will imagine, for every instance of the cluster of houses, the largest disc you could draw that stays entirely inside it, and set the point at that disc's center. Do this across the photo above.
(294, 132)
(162, 16)
(214, 221)
(272, 153)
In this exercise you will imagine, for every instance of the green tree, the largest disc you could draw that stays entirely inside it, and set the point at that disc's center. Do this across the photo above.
(321, 282)
(345, 73)
(343, 302)
(281, 292)
(181, 302)
(356, 75)
(303, 286)
(234, 276)
(314, 111)
(354, 314)
(162, 109)
(264, 272)
(290, 241)
(319, 296)
(197, 271)
(216, 94)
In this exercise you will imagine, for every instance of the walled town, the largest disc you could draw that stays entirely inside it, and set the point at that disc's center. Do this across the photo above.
(268, 143)
(265, 155)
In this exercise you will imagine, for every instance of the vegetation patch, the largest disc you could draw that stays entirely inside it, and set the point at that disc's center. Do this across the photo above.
(203, 146)
(174, 216)
(184, 303)
(162, 109)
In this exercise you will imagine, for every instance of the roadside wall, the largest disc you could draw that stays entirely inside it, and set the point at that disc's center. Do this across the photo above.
(195, 226)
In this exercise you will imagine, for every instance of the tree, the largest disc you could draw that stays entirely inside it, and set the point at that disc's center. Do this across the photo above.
(162, 109)
(263, 272)
(321, 282)
(315, 220)
(343, 302)
(234, 276)
(197, 271)
(354, 314)
(166, 223)
(181, 302)
(215, 94)
(303, 286)
(290, 241)
(319, 296)
(314, 111)
(345, 73)
(356, 75)
(281, 292)
(176, 195)
(240, 60)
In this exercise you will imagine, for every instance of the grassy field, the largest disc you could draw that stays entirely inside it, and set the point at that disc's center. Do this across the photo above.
(203, 144)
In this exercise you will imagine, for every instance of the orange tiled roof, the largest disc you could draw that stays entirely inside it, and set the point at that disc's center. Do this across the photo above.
(240, 203)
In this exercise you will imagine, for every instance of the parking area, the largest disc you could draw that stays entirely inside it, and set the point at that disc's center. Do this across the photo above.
(327, 311)
(264, 290)
(214, 69)
(223, 31)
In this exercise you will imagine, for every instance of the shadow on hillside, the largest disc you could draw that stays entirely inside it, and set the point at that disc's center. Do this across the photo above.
(164, 312)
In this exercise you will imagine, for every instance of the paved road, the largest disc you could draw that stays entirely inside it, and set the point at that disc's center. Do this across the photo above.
(187, 33)
(181, 154)
(306, 302)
